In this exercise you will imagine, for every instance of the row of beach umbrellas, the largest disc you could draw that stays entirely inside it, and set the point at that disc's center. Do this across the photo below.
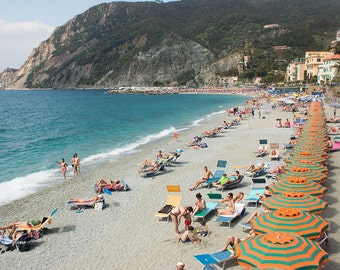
(286, 234)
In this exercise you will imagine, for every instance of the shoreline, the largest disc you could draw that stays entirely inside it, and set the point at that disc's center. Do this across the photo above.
(126, 235)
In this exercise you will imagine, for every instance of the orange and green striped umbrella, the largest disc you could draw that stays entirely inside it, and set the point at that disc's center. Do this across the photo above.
(300, 172)
(301, 155)
(308, 164)
(296, 200)
(290, 220)
(280, 251)
(297, 184)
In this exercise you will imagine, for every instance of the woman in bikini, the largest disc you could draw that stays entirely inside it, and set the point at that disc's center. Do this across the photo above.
(177, 213)
(63, 165)
(230, 206)
(200, 204)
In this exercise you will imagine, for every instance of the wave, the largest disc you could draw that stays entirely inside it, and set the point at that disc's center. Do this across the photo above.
(22, 186)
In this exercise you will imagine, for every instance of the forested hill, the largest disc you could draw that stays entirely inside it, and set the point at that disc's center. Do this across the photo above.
(188, 42)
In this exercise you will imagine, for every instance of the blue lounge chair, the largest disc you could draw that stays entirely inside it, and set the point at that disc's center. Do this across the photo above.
(211, 206)
(221, 164)
(215, 258)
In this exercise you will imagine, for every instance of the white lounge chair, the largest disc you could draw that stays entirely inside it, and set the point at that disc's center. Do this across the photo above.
(239, 210)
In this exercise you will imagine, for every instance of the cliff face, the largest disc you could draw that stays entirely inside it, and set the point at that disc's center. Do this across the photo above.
(188, 42)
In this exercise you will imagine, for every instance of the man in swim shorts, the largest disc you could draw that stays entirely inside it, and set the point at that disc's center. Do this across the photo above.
(205, 178)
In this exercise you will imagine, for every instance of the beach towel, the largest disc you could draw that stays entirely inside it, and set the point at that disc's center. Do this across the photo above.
(166, 209)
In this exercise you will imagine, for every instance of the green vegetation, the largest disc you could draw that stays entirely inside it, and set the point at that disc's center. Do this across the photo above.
(108, 37)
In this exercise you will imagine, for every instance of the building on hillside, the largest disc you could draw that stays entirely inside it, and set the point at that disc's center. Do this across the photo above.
(335, 42)
(327, 71)
(313, 60)
(295, 70)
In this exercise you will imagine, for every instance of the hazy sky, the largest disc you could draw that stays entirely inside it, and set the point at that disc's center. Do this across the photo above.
(25, 23)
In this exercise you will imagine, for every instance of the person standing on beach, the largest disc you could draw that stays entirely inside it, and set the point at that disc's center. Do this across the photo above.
(259, 114)
(73, 164)
(76, 164)
(63, 165)
(177, 213)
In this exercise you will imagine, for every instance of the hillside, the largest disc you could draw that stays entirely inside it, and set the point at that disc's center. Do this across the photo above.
(188, 42)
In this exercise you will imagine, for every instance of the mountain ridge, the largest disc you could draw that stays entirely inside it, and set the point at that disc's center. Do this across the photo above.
(188, 42)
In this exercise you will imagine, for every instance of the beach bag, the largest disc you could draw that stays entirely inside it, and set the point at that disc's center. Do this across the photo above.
(36, 234)
(22, 245)
(203, 145)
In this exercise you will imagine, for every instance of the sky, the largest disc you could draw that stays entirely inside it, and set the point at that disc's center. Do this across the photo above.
(25, 23)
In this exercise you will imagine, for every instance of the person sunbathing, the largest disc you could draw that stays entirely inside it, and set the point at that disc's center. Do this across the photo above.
(204, 179)
(273, 152)
(195, 142)
(230, 206)
(238, 197)
(200, 204)
(153, 167)
(260, 151)
(93, 199)
(107, 184)
(10, 231)
(329, 142)
(277, 170)
(253, 169)
(222, 181)
(230, 243)
(286, 124)
(267, 193)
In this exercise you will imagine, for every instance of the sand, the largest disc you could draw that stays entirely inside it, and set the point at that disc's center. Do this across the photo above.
(126, 234)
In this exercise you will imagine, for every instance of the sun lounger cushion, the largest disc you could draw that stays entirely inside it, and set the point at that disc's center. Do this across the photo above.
(166, 209)
(211, 206)
(216, 196)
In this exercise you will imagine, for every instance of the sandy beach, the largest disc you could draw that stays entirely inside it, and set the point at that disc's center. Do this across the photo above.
(126, 234)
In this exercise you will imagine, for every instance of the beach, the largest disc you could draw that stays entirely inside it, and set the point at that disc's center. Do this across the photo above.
(126, 233)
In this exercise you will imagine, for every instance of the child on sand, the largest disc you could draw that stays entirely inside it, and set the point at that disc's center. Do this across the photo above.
(203, 229)
(189, 236)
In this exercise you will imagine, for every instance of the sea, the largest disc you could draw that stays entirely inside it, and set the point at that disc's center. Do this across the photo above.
(39, 127)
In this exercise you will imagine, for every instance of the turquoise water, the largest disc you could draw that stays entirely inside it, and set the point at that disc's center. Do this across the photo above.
(38, 128)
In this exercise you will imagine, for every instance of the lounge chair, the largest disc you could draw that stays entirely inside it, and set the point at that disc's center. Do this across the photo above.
(257, 187)
(217, 175)
(173, 200)
(230, 185)
(221, 164)
(218, 258)
(215, 196)
(91, 202)
(276, 147)
(239, 210)
(211, 206)
(122, 186)
(264, 143)
(335, 147)
(160, 169)
(44, 222)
